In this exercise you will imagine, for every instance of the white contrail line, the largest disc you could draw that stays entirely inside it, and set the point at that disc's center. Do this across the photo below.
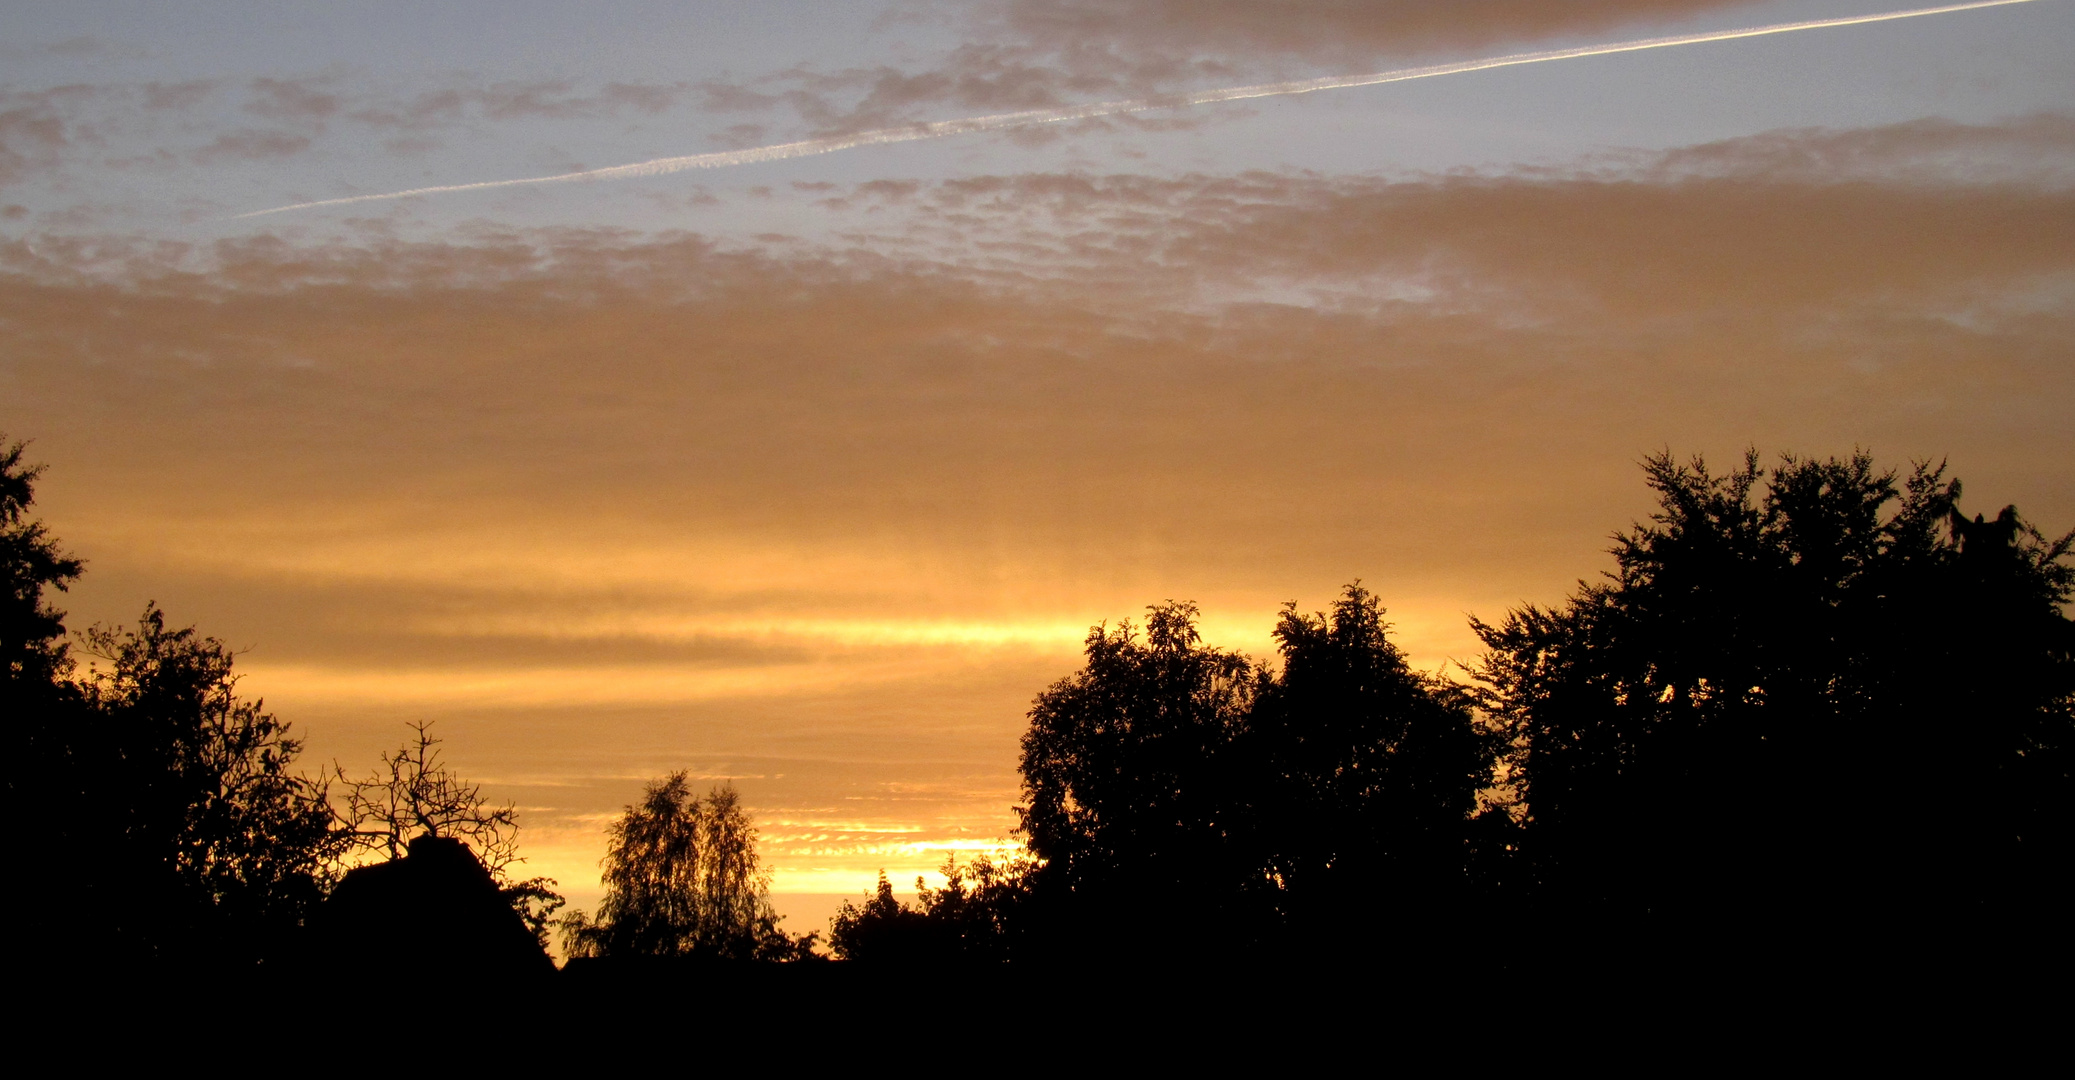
(939, 128)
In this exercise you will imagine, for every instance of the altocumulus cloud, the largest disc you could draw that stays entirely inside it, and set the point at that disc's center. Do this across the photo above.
(629, 492)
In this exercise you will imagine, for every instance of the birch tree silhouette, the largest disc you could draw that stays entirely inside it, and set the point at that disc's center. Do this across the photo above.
(682, 880)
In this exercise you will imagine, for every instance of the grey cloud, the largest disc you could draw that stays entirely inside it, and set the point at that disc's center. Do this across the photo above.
(1021, 54)
(720, 96)
(293, 100)
(546, 99)
(982, 77)
(1322, 30)
(410, 145)
(642, 97)
(159, 160)
(36, 128)
(744, 135)
(251, 145)
(77, 46)
(1948, 185)
(177, 96)
(2031, 149)
(431, 107)
(30, 138)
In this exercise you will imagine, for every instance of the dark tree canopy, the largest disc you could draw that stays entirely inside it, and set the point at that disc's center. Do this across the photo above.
(976, 918)
(190, 831)
(38, 704)
(413, 794)
(1130, 795)
(1809, 697)
(170, 823)
(423, 927)
(32, 632)
(1260, 810)
(681, 880)
(1366, 774)
(1812, 702)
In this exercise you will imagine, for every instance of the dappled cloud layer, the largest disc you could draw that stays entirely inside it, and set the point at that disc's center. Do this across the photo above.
(1035, 54)
(823, 518)
(1023, 54)
(1329, 30)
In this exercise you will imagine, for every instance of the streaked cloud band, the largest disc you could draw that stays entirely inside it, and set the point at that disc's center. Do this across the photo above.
(1004, 121)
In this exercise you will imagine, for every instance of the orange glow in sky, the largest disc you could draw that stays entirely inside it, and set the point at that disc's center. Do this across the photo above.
(808, 476)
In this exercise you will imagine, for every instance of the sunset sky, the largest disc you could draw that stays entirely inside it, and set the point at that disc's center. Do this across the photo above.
(809, 474)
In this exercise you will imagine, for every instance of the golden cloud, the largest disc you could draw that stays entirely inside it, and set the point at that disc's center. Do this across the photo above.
(614, 503)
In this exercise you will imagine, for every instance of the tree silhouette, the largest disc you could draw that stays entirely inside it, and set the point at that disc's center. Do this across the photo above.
(169, 818)
(1268, 812)
(193, 838)
(413, 794)
(1370, 773)
(977, 917)
(40, 704)
(1132, 802)
(1806, 699)
(681, 880)
(33, 656)
(886, 929)
(42, 714)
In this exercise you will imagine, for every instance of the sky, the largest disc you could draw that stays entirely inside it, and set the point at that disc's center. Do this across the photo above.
(807, 475)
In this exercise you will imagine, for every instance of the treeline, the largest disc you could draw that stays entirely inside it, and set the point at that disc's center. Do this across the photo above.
(165, 822)
(1811, 706)
(1809, 703)
(173, 827)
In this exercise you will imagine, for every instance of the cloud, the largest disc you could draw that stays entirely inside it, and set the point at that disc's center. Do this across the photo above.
(836, 513)
(1083, 354)
(983, 77)
(81, 46)
(558, 99)
(649, 98)
(251, 145)
(2036, 149)
(1323, 31)
(1952, 182)
(555, 100)
(1035, 54)
(293, 100)
(178, 96)
(1038, 126)
(410, 145)
(29, 137)
(62, 134)
(35, 128)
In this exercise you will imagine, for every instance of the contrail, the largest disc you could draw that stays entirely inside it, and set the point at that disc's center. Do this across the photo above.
(940, 128)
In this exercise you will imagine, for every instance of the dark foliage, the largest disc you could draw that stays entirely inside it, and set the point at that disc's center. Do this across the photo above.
(38, 703)
(976, 918)
(1133, 802)
(1365, 777)
(681, 880)
(1268, 812)
(35, 663)
(32, 632)
(415, 795)
(1807, 700)
(416, 921)
(170, 827)
(187, 836)
(1815, 703)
